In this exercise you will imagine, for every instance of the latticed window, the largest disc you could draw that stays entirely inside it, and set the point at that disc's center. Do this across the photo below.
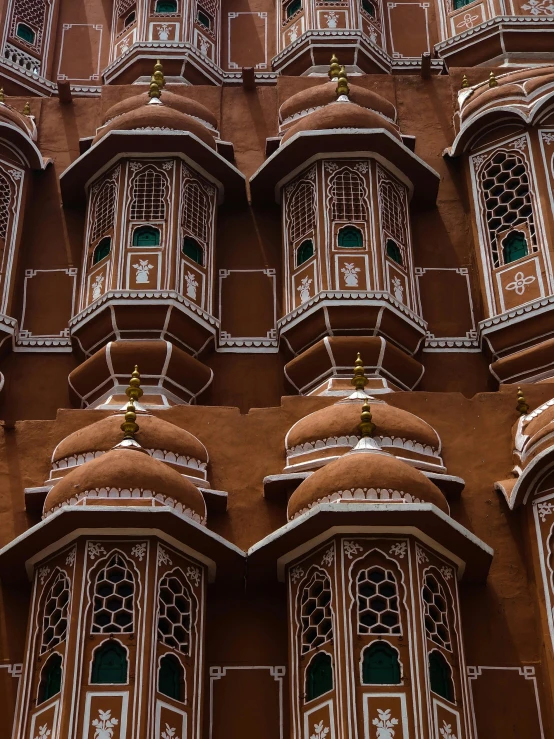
(392, 209)
(104, 209)
(377, 594)
(123, 6)
(436, 612)
(175, 613)
(348, 196)
(301, 211)
(5, 203)
(54, 614)
(315, 612)
(30, 14)
(113, 610)
(149, 194)
(506, 191)
(196, 214)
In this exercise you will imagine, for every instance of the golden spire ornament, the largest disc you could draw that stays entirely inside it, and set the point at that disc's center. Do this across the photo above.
(27, 109)
(2, 96)
(154, 91)
(465, 81)
(359, 380)
(367, 427)
(342, 84)
(522, 408)
(158, 75)
(133, 392)
(492, 80)
(334, 69)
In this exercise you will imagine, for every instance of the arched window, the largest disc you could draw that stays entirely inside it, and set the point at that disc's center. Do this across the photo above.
(301, 211)
(380, 665)
(304, 252)
(204, 19)
(193, 250)
(149, 191)
(350, 237)
(319, 676)
(102, 249)
(514, 247)
(378, 609)
(369, 8)
(393, 209)
(348, 196)
(50, 678)
(146, 236)
(54, 615)
(103, 210)
(174, 612)
(293, 7)
(436, 612)
(110, 665)
(114, 590)
(440, 676)
(393, 251)
(316, 615)
(166, 6)
(196, 215)
(130, 19)
(25, 33)
(171, 677)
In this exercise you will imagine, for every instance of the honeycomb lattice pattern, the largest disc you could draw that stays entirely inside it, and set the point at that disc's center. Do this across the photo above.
(175, 613)
(436, 612)
(113, 598)
(316, 616)
(378, 611)
(54, 617)
(505, 184)
(5, 202)
(33, 13)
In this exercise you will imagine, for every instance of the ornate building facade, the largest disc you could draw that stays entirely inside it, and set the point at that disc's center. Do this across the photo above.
(321, 505)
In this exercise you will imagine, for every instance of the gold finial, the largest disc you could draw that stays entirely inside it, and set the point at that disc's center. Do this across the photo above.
(130, 425)
(2, 96)
(134, 392)
(465, 81)
(334, 69)
(154, 91)
(492, 80)
(367, 427)
(27, 109)
(522, 408)
(342, 84)
(158, 75)
(359, 380)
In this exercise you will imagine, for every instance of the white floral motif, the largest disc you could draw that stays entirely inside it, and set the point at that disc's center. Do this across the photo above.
(192, 284)
(328, 557)
(520, 282)
(467, 21)
(385, 724)
(139, 550)
(167, 166)
(143, 268)
(520, 143)
(351, 548)
(446, 572)
(163, 32)
(163, 557)
(361, 167)
(478, 160)
(296, 573)
(194, 574)
(104, 725)
(169, 733)
(95, 550)
(544, 509)
(399, 549)
(320, 730)
(293, 33)
(43, 574)
(539, 7)
(43, 732)
(97, 286)
(16, 174)
(70, 559)
(204, 46)
(332, 19)
(446, 731)
(331, 166)
(398, 289)
(350, 277)
(421, 556)
(304, 289)
(547, 137)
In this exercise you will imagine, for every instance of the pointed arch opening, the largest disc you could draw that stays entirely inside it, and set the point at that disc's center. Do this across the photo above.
(113, 598)
(319, 676)
(50, 678)
(393, 251)
(304, 252)
(350, 237)
(193, 250)
(110, 665)
(102, 249)
(146, 236)
(514, 247)
(166, 6)
(380, 665)
(171, 678)
(440, 676)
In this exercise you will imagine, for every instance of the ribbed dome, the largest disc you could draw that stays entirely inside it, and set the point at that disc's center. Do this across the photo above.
(127, 476)
(170, 100)
(14, 117)
(365, 476)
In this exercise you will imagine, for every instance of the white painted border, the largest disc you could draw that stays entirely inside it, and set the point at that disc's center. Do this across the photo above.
(230, 17)
(307, 715)
(157, 727)
(403, 711)
(108, 694)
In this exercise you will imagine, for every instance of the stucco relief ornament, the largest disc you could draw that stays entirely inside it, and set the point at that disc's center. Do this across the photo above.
(43, 574)
(351, 548)
(95, 550)
(421, 556)
(332, 19)
(520, 143)
(204, 46)
(520, 282)
(169, 733)
(293, 33)
(43, 732)
(539, 7)
(104, 725)
(163, 557)
(70, 559)
(320, 731)
(544, 509)
(296, 573)
(385, 724)
(138, 551)
(15, 174)
(361, 167)
(446, 731)
(328, 557)
(192, 284)
(399, 549)
(304, 289)
(446, 572)
(143, 268)
(163, 32)
(398, 289)
(350, 277)
(97, 287)
(194, 575)
(467, 21)
(547, 137)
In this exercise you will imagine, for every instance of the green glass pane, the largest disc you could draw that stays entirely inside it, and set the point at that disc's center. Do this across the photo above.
(514, 247)
(51, 682)
(102, 250)
(304, 252)
(319, 676)
(204, 19)
(110, 664)
(193, 250)
(146, 236)
(25, 33)
(369, 8)
(293, 7)
(170, 677)
(440, 676)
(461, 3)
(393, 251)
(166, 6)
(131, 18)
(380, 665)
(350, 237)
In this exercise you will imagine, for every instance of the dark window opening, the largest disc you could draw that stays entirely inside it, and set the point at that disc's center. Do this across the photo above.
(514, 247)
(146, 236)
(369, 8)
(440, 676)
(193, 250)
(51, 678)
(166, 6)
(131, 18)
(380, 665)
(204, 19)
(350, 237)
(304, 252)
(25, 33)
(110, 664)
(393, 251)
(171, 677)
(461, 3)
(293, 7)
(102, 249)
(319, 676)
